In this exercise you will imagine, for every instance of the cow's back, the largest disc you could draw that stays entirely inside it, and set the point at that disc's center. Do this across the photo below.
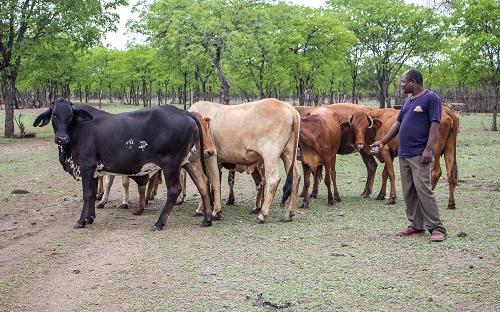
(242, 133)
(345, 110)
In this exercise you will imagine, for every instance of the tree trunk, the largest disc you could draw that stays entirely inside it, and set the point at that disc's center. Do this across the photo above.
(301, 92)
(184, 90)
(224, 85)
(9, 82)
(495, 111)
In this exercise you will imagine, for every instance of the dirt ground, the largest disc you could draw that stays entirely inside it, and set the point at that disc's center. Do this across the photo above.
(329, 258)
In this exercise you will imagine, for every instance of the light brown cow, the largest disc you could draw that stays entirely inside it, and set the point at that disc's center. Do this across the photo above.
(373, 126)
(319, 143)
(253, 134)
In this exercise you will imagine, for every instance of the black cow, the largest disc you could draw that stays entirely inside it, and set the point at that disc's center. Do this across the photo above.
(135, 144)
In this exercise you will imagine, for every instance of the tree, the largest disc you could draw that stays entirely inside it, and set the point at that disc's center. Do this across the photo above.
(391, 31)
(477, 23)
(24, 23)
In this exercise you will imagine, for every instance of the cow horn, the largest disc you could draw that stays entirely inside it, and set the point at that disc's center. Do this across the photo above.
(370, 121)
(350, 120)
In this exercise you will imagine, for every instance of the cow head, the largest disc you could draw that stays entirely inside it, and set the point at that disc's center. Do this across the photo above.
(208, 143)
(63, 116)
(363, 128)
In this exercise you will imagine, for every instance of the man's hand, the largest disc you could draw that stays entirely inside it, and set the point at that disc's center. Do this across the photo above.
(427, 155)
(378, 144)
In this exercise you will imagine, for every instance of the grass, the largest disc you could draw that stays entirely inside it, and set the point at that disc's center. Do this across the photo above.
(329, 258)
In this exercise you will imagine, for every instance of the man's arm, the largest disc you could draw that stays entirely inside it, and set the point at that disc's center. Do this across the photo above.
(431, 141)
(393, 131)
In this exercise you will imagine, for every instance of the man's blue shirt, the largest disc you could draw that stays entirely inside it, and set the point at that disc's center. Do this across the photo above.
(415, 118)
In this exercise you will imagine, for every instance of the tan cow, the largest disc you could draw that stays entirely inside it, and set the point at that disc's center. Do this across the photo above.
(253, 134)
(373, 126)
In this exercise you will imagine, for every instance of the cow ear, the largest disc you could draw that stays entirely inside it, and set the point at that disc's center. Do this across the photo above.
(377, 123)
(345, 125)
(81, 115)
(207, 119)
(43, 119)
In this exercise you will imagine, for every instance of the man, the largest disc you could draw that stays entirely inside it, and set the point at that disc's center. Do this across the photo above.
(418, 127)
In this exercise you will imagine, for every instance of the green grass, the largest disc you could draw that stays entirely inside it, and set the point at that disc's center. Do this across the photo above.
(341, 258)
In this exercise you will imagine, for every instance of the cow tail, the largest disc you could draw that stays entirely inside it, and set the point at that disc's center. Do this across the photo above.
(454, 168)
(287, 188)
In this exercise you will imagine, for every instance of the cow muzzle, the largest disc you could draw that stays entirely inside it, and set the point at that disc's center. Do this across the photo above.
(208, 153)
(360, 146)
(61, 140)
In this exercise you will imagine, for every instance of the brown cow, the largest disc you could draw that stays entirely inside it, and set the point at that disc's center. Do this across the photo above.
(319, 143)
(343, 111)
(373, 126)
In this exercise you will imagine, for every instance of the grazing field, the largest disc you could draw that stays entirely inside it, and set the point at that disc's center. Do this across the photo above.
(345, 257)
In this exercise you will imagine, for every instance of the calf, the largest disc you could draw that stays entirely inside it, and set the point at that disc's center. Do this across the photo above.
(135, 144)
(319, 143)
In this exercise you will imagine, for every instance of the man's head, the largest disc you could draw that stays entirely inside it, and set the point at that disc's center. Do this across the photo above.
(412, 81)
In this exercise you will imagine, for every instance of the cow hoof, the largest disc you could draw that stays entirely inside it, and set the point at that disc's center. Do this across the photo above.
(314, 195)
(331, 202)
(337, 199)
(100, 205)
(90, 221)
(217, 216)
(123, 206)
(305, 206)
(156, 228)
(261, 219)
(289, 219)
(301, 194)
(230, 202)
(179, 202)
(391, 201)
(206, 223)
(197, 214)
(452, 206)
(99, 196)
(78, 226)
(380, 197)
(255, 211)
(137, 212)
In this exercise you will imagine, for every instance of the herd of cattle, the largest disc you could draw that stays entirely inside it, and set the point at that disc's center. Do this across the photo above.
(251, 137)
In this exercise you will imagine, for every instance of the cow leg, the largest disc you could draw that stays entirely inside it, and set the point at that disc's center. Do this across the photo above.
(307, 182)
(108, 182)
(126, 198)
(183, 184)
(328, 181)
(392, 178)
(317, 178)
(383, 188)
(88, 185)
(94, 185)
(371, 169)
(142, 199)
(195, 170)
(100, 189)
(333, 175)
(258, 179)
(152, 186)
(174, 188)
(436, 170)
(272, 181)
(212, 173)
(230, 182)
(451, 171)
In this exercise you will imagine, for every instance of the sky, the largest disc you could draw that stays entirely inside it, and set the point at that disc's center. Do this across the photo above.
(122, 37)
